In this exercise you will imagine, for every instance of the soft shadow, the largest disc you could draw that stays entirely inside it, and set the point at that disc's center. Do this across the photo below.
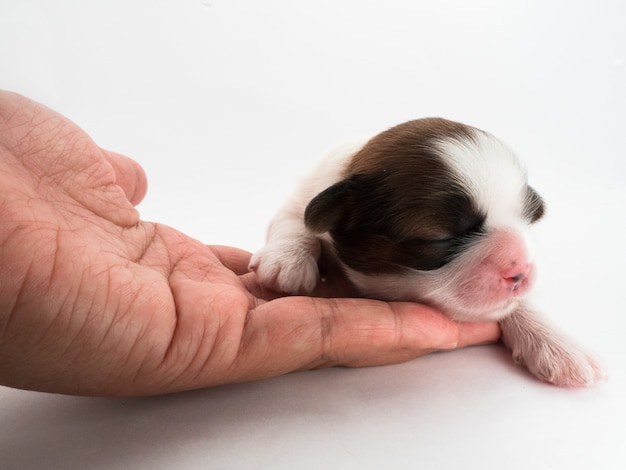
(59, 432)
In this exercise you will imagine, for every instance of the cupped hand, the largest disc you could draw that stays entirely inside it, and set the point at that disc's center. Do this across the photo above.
(95, 301)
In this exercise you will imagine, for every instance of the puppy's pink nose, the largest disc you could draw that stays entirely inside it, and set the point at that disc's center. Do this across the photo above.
(516, 273)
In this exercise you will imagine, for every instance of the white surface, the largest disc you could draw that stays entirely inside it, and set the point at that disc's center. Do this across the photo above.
(224, 101)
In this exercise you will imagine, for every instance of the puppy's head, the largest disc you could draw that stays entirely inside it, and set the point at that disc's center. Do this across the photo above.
(434, 211)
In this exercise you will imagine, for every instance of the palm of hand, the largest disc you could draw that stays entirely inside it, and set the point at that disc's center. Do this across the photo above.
(85, 270)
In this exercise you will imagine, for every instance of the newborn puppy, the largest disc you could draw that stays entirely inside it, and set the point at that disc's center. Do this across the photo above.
(431, 211)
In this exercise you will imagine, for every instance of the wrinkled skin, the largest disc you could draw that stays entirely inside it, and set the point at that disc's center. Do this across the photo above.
(95, 301)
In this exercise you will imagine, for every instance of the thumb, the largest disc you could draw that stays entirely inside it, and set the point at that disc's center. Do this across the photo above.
(477, 333)
(414, 330)
(297, 333)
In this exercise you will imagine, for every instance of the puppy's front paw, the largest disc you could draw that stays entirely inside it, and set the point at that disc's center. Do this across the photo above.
(287, 266)
(561, 362)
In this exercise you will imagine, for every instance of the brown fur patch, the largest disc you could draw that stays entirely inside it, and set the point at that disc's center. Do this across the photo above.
(398, 205)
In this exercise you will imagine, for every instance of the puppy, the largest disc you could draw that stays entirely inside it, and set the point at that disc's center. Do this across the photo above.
(431, 211)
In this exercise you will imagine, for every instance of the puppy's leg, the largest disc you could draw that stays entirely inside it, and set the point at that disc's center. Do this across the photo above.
(549, 354)
(288, 261)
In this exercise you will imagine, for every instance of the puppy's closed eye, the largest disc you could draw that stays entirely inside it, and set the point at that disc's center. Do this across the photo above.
(426, 255)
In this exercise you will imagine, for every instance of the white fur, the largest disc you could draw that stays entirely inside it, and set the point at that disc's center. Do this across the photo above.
(492, 174)
(548, 353)
(438, 288)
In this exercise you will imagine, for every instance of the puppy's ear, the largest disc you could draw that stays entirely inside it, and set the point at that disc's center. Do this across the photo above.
(534, 205)
(327, 208)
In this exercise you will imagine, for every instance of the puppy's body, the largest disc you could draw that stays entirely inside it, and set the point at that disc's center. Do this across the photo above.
(430, 211)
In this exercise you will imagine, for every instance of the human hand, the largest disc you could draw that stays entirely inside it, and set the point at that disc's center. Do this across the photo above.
(94, 301)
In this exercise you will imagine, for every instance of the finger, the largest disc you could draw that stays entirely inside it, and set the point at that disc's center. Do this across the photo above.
(296, 333)
(477, 333)
(398, 332)
(452, 336)
(129, 176)
(235, 259)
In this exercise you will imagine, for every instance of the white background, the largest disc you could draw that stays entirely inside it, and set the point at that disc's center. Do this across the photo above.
(226, 103)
